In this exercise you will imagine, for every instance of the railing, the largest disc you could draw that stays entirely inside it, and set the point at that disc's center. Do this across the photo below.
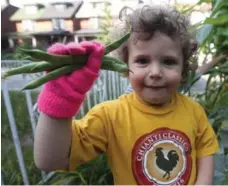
(109, 85)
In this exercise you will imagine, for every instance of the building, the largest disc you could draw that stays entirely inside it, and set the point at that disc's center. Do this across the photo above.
(44, 24)
(6, 25)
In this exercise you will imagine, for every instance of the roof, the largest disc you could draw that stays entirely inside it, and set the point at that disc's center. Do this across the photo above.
(51, 12)
(21, 14)
(88, 11)
(47, 12)
(4, 7)
(34, 4)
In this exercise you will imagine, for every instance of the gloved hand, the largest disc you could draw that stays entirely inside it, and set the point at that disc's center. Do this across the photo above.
(62, 97)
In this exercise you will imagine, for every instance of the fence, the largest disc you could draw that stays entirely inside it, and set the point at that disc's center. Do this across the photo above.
(109, 85)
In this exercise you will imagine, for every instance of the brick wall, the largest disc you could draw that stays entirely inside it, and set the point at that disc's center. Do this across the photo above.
(43, 26)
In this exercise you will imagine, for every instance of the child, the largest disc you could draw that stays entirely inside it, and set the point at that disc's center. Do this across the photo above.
(153, 135)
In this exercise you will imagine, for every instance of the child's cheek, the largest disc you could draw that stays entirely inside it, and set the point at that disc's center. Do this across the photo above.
(136, 78)
(174, 80)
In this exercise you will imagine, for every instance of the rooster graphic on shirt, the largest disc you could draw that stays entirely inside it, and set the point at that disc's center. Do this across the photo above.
(165, 164)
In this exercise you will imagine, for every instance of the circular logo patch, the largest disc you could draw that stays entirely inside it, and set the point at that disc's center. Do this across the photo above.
(162, 157)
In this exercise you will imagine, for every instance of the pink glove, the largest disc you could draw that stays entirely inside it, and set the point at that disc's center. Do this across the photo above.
(63, 96)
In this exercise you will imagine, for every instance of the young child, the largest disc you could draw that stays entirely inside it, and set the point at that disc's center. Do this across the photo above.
(153, 135)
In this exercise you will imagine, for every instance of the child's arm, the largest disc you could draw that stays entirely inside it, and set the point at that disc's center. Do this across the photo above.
(52, 143)
(59, 101)
(205, 168)
(206, 146)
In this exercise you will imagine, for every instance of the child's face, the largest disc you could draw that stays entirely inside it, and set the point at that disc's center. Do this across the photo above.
(157, 67)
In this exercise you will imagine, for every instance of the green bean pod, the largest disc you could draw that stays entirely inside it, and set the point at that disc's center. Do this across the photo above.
(55, 59)
(110, 58)
(36, 67)
(116, 44)
(29, 68)
(112, 65)
(50, 76)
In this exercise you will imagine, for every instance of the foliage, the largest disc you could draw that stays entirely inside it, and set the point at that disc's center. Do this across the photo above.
(95, 172)
(225, 181)
(213, 38)
(17, 54)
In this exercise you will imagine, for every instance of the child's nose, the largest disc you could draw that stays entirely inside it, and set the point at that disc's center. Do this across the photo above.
(155, 70)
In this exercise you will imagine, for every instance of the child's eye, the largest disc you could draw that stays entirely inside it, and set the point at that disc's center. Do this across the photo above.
(142, 61)
(169, 62)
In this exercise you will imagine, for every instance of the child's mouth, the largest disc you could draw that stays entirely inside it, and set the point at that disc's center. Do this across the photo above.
(155, 87)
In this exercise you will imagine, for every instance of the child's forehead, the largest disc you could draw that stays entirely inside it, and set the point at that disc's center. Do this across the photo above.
(158, 42)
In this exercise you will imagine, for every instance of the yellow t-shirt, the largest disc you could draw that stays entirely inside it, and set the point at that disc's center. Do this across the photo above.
(145, 145)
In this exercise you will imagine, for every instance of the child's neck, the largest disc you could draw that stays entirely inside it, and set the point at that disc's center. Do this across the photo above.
(155, 105)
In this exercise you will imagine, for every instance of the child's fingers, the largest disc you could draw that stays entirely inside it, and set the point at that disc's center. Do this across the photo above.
(81, 79)
(58, 48)
(75, 49)
(96, 53)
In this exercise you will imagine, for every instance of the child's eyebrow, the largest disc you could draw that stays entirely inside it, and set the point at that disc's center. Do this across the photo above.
(137, 56)
(174, 57)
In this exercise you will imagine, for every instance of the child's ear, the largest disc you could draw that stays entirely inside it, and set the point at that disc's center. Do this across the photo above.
(194, 45)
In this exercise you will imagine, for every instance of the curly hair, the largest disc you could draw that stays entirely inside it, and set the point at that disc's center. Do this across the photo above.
(147, 20)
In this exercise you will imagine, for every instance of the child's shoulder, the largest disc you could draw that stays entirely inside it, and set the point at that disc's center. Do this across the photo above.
(120, 101)
(188, 102)
(123, 100)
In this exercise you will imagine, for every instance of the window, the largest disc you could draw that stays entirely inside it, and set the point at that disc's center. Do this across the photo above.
(58, 24)
(28, 25)
(94, 23)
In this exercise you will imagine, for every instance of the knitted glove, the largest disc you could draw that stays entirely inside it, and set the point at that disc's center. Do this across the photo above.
(62, 97)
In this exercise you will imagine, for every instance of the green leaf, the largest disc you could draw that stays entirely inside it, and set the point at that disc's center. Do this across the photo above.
(223, 31)
(218, 6)
(65, 180)
(204, 1)
(203, 33)
(217, 21)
